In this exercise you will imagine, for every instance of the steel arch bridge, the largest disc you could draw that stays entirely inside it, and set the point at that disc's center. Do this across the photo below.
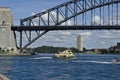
(71, 15)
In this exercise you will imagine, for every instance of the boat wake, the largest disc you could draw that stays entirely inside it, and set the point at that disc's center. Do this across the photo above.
(97, 62)
(100, 62)
(42, 58)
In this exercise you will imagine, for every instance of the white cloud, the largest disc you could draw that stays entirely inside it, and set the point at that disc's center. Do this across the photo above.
(113, 20)
(85, 33)
(109, 34)
(97, 20)
(33, 13)
(56, 39)
(67, 23)
(65, 33)
(52, 19)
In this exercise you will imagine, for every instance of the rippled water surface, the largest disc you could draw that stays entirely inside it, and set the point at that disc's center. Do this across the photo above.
(44, 67)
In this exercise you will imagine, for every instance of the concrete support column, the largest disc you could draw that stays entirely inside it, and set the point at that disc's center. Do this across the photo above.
(7, 40)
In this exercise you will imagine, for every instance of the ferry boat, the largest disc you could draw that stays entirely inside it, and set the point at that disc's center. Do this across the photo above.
(65, 54)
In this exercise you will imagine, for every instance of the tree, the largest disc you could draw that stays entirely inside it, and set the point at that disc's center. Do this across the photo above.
(3, 50)
(104, 51)
(0, 48)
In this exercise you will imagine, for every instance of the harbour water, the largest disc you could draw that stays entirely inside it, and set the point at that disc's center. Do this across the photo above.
(44, 67)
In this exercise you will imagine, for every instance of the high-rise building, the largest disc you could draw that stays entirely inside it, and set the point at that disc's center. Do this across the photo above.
(118, 44)
(79, 43)
(7, 40)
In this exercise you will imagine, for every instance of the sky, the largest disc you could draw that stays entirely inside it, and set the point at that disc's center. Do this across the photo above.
(91, 39)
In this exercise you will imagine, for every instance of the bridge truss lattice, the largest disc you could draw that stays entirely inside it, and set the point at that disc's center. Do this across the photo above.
(74, 14)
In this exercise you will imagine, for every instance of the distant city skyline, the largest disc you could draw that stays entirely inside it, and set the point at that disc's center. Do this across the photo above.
(92, 39)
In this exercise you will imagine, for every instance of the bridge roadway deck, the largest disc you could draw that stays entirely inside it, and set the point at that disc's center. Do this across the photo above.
(79, 27)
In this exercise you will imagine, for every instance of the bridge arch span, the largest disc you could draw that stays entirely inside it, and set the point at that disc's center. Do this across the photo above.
(63, 13)
(67, 10)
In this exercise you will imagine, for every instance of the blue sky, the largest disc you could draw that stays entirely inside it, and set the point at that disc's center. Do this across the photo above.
(24, 8)
(92, 39)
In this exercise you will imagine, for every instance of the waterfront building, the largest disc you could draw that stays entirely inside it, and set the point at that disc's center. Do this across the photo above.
(118, 45)
(80, 43)
(7, 40)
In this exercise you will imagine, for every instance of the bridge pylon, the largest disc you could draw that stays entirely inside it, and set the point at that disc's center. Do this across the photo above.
(7, 40)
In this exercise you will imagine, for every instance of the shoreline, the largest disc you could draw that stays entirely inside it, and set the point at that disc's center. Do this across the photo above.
(20, 54)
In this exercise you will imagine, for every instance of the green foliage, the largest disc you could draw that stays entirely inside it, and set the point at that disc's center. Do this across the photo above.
(51, 49)
(106, 51)
(0, 48)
